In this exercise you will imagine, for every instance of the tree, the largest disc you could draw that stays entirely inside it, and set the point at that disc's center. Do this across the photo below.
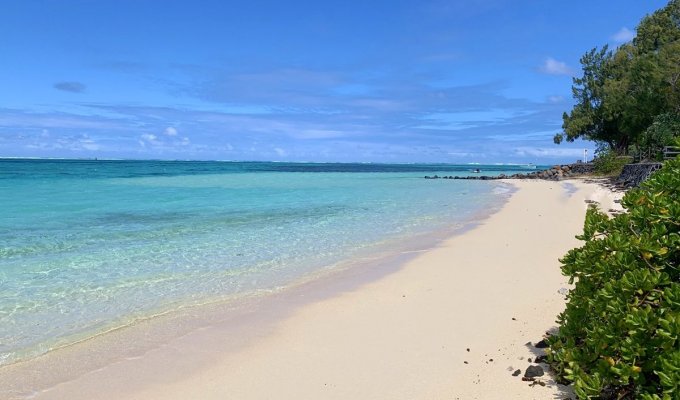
(621, 92)
(658, 29)
(664, 131)
(669, 60)
(589, 119)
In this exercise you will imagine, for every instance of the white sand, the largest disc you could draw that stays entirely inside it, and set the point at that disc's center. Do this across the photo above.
(403, 336)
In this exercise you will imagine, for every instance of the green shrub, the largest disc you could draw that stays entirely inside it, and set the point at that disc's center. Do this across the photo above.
(619, 336)
(609, 163)
(664, 131)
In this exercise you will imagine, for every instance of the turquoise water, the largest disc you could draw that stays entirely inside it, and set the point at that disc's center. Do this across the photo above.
(86, 246)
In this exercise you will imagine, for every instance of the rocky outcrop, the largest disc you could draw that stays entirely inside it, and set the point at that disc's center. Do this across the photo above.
(556, 173)
(631, 176)
(582, 168)
(634, 174)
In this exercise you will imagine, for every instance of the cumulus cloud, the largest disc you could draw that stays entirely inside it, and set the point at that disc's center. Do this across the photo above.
(80, 142)
(555, 67)
(73, 87)
(280, 152)
(548, 152)
(148, 138)
(555, 99)
(170, 131)
(89, 144)
(623, 35)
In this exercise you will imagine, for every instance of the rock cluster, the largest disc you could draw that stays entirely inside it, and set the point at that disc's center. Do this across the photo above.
(634, 174)
(556, 173)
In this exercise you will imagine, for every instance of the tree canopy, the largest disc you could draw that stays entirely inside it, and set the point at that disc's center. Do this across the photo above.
(621, 91)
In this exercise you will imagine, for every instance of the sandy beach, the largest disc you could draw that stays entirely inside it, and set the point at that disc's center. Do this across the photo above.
(452, 322)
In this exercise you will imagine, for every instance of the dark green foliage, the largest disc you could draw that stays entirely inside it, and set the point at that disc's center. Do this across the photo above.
(622, 91)
(664, 131)
(588, 119)
(608, 163)
(619, 336)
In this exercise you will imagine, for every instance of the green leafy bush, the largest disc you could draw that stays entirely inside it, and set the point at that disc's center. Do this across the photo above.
(619, 336)
(609, 163)
(664, 131)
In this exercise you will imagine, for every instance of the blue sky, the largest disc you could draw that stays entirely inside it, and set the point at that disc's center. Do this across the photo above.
(382, 81)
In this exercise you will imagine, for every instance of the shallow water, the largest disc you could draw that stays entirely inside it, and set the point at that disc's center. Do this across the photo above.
(90, 245)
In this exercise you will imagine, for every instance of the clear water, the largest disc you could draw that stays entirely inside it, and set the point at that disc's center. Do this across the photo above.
(89, 245)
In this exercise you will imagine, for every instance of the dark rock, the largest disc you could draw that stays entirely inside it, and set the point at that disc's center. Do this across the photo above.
(517, 372)
(582, 168)
(541, 345)
(533, 371)
(615, 392)
(541, 359)
(633, 175)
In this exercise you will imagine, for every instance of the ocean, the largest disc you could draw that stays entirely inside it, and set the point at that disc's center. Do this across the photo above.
(87, 246)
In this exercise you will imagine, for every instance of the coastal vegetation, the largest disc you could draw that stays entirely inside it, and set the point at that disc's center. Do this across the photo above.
(608, 163)
(628, 99)
(619, 336)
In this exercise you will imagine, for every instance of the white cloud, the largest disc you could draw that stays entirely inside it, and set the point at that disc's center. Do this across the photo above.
(170, 131)
(555, 67)
(148, 137)
(555, 99)
(623, 35)
(547, 152)
(73, 143)
(281, 152)
(89, 144)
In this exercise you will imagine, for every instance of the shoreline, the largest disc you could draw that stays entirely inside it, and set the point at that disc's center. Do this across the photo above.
(236, 339)
(62, 364)
(364, 253)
